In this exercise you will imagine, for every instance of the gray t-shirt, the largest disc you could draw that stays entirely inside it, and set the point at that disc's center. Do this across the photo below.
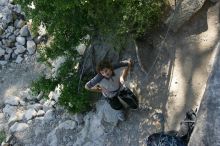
(111, 86)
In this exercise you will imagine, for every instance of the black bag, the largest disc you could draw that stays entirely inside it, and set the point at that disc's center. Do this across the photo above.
(162, 139)
(180, 138)
(127, 96)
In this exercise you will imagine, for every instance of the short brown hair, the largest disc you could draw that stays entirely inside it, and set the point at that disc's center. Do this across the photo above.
(103, 64)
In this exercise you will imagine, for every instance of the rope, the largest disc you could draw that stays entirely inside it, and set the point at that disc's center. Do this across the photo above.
(168, 29)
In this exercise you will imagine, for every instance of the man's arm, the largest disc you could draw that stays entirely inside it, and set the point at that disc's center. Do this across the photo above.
(94, 89)
(125, 72)
(92, 84)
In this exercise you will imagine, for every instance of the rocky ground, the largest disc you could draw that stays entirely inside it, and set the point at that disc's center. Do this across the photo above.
(166, 89)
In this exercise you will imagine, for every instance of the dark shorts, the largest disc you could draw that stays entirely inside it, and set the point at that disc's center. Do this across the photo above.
(115, 103)
(127, 96)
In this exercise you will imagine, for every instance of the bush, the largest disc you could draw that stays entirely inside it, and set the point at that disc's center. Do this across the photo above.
(2, 136)
(68, 22)
(45, 85)
(73, 95)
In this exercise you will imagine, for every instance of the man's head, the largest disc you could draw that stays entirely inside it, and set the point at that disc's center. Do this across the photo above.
(105, 68)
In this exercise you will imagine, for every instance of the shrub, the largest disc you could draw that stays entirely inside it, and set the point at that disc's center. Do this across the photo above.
(2, 136)
(68, 22)
(73, 95)
(45, 85)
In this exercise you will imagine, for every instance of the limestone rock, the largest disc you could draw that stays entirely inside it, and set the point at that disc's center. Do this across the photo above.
(29, 114)
(19, 59)
(18, 127)
(69, 124)
(20, 49)
(24, 31)
(20, 40)
(185, 10)
(2, 52)
(12, 100)
(31, 47)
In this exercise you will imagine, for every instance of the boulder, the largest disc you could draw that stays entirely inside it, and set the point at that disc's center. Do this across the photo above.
(20, 49)
(24, 31)
(31, 47)
(8, 110)
(184, 11)
(20, 40)
(2, 52)
(207, 126)
(19, 59)
(12, 100)
(18, 127)
(29, 114)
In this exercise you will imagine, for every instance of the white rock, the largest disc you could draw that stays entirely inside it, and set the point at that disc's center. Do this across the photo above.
(18, 127)
(7, 17)
(49, 115)
(3, 62)
(20, 40)
(47, 105)
(2, 52)
(56, 93)
(31, 47)
(40, 113)
(3, 2)
(20, 49)
(23, 103)
(7, 56)
(13, 100)
(16, 32)
(40, 95)
(12, 38)
(24, 31)
(56, 65)
(78, 118)
(36, 106)
(8, 43)
(15, 118)
(69, 124)
(10, 29)
(42, 30)
(8, 50)
(17, 9)
(29, 114)
(19, 59)
(26, 93)
(81, 48)
(52, 138)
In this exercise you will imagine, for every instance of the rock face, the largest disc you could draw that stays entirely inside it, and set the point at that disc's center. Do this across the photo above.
(184, 11)
(30, 120)
(207, 127)
(14, 34)
(98, 51)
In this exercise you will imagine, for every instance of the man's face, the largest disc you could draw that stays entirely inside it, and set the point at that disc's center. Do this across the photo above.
(106, 72)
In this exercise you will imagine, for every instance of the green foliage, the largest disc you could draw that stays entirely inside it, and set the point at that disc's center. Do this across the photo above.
(44, 85)
(73, 95)
(69, 21)
(2, 136)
